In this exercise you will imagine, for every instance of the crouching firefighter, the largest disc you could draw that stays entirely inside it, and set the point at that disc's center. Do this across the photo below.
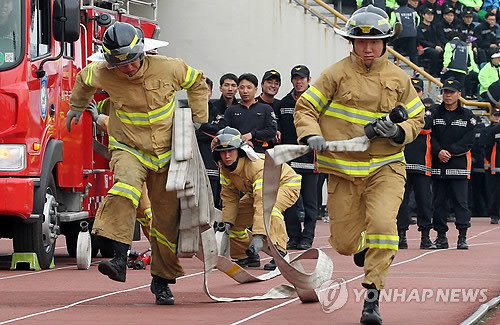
(142, 92)
(241, 173)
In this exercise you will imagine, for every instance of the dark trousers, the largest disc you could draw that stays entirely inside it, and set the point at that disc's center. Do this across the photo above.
(434, 58)
(491, 197)
(478, 200)
(421, 186)
(216, 187)
(456, 191)
(309, 192)
(407, 46)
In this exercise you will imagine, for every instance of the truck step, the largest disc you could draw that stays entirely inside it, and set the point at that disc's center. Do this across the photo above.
(27, 261)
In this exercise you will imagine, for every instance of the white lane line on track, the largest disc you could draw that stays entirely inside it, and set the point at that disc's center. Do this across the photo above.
(360, 276)
(86, 300)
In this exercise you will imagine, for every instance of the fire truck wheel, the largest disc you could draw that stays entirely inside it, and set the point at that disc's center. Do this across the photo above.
(40, 236)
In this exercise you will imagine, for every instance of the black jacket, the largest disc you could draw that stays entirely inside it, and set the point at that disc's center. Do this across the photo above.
(259, 119)
(453, 131)
(427, 36)
(220, 104)
(491, 142)
(418, 154)
(306, 163)
(445, 31)
(485, 34)
(204, 136)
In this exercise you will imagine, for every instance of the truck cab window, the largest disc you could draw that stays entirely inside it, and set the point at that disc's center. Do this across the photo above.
(11, 40)
(39, 28)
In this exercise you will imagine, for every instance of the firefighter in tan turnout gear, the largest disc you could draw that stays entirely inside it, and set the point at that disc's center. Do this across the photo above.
(142, 91)
(241, 172)
(365, 189)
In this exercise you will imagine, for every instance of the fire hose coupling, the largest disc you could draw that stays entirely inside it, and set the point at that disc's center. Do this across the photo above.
(139, 261)
(385, 126)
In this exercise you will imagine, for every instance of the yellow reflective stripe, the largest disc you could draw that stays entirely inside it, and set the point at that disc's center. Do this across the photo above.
(382, 241)
(224, 180)
(238, 234)
(105, 48)
(134, 41)
(142, 221)
(277, 213)
(351, 114)
(100, 105)
(148, 213)
(191, 76)
(153, 232)
(257, 185)
(358, 168)
(127, 191)
(147, 118)
(146, 159)
(315, 97)
(88, 80)
(296, 181)
(414, 107)
(362, 243)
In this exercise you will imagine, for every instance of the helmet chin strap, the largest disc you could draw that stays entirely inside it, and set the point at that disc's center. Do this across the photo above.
(233, 166)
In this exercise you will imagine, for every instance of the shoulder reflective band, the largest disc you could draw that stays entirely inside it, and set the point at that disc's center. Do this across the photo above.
(88, 80)
(146, 159)
(153, 232)
(257, 185)
(224, 180)
(382, 241)
(358, 168)
(147, 118)
(127, 191)
(295, 181)
(315, 97)
(414, 107)
(238, 234)
(191, 76)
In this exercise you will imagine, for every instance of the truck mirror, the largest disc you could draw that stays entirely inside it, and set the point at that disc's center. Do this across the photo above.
(66, 20)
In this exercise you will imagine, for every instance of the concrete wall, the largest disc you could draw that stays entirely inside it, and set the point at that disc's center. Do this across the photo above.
(219, 36)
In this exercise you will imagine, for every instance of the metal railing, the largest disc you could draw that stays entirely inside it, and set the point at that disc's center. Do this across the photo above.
(399, 58)
(143, 8)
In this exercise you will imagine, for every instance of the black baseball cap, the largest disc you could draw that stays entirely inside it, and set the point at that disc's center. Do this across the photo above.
(468, 13)
(271, 74)
(448, 10)
(428, 11)
(452, 84)
(300, 70)
(417, 83)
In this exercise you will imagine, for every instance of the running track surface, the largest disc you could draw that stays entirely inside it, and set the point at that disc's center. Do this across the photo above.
(66, 295)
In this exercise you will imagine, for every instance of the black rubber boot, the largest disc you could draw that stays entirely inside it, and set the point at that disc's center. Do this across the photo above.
(116, 268)
(425, 240)
(441, 241)
(160, 288)
(359, 258)
(403, 243)
(462, 236)
(370, 314)
(251, 261)
(271, 266)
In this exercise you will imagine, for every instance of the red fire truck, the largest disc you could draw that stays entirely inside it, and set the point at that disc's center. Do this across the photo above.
(50, 179)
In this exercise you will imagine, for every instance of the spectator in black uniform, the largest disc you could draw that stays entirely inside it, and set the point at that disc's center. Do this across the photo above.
(271, 82)
(305, 166)
(418, 179)
(487, 42)
(406, 43)
(430, 48)
(453, 129)
(205, 132)
(228, 88)
(492, 148)
(477, 188)
(467, 23)
(256, 121)
(458, 8)
(447, 27)
(430, 4)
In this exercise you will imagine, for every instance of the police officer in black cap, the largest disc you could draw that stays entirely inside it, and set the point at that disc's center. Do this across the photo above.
(453, 131)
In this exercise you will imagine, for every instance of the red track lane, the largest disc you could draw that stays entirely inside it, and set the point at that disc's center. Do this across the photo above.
(65, 295)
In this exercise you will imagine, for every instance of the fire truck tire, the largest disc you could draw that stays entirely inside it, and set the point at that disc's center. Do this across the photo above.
(40, 236)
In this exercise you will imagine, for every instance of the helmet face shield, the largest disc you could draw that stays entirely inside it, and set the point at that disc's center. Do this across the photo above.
(368, 22)
(124, 55)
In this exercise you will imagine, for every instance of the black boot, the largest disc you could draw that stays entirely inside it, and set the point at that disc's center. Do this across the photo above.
(370, 314)
(160, 288)
(441, 241)
(403, 243)
(251, 261)
(462, 236)
(425, 241)
(271, 266)
(359, 258)
(115, 268)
